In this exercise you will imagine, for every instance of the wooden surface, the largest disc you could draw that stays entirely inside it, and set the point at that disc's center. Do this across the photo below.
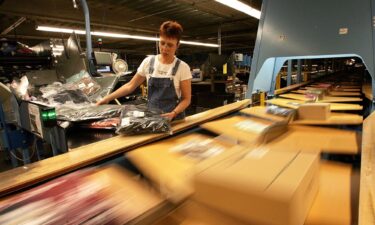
(338, 86)
(33, 173)
(337, 199)
(367, 91)
(291, 87)
(326, 99)
(334, 119)
(332, 93)
(292, 103)
(314, 138)
(367, 192)
(348, 89)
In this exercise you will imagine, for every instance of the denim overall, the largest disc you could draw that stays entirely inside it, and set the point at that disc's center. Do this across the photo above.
(161, 91)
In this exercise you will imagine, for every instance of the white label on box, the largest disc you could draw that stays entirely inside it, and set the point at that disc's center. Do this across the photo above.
(125, 121)
(90, 85)
(250, 126)
(81, 85)
(257, 153)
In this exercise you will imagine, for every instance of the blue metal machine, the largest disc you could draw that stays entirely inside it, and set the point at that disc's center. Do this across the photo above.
(305, 29)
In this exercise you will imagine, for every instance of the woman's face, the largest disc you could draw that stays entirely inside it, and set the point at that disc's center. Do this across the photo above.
(168, 46)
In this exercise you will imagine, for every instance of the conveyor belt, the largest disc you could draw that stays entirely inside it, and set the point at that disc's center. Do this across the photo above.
(88, 154)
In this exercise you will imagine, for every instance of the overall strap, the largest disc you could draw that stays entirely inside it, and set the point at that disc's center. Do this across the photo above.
(152, 65)
(175, 68)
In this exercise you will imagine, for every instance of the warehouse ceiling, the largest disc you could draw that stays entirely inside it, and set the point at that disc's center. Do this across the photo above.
(201, 21)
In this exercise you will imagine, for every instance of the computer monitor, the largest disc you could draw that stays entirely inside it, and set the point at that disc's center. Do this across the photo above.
(103, 58)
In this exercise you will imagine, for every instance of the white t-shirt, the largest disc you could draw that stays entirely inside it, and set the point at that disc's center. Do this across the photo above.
(165, 71)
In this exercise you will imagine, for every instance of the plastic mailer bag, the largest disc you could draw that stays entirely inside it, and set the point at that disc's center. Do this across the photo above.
(81, 112)
(140, 120)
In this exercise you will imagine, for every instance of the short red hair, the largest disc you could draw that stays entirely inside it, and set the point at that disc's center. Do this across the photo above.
(171, 29)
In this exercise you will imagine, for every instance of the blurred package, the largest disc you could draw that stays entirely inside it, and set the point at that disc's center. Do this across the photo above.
(260, 186)
(169, 164)
(247, 130)
(314, 111)
(315, 94)
(82, 112)
(106, 195)
(279, 111)
(138, 119)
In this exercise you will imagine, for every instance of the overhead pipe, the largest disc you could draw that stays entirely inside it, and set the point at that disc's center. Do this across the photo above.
(89, 53)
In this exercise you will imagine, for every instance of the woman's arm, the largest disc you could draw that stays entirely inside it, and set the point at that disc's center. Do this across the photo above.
(123, 90)
(185, 87)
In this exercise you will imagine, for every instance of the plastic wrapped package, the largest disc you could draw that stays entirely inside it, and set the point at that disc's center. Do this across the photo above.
(82, 112)
(84, 82)
(275, 110)
(140, 120)
(65, 200)
(69, 96)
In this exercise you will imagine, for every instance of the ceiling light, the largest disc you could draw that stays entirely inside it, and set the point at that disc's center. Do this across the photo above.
(117, 35)
(237, 5)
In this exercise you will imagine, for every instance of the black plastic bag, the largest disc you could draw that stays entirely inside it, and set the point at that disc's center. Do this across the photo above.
(140, 120)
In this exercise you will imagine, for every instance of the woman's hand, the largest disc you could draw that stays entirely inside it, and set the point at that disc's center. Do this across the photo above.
(170, 115)
(102, 101)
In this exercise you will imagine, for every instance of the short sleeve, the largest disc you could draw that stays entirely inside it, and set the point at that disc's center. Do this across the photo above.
(143, 68)
(185, 71)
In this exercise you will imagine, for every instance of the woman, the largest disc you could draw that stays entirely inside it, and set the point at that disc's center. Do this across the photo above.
(168, 78)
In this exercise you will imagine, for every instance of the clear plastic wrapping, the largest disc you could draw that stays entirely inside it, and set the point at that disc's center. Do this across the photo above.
(82, 112)
(58, 94)
(140, 120)
(84, 82)
(78, 89)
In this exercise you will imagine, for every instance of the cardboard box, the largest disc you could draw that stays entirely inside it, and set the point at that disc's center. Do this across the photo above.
(170, 169)
(314, 111)
(261, 187)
